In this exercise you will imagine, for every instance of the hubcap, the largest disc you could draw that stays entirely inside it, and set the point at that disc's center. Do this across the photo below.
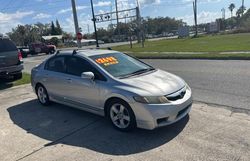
(119, 116)
(42, 94)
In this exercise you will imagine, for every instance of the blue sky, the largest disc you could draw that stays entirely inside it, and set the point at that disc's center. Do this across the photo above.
(14, 12)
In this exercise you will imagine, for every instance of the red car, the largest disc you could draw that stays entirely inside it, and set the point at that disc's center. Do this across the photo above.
(37, 48)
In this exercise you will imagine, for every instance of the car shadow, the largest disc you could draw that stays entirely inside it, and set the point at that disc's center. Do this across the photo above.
(5, 84)
(61, 124)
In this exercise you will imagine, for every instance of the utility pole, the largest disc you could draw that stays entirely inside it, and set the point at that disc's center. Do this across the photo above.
(195, 17)
(140, 32)
(223, 13)
(88, 28)
(242, 7)
(94, 20)
(75, 21)
(117, 18)
(116, 10)
(138, 19)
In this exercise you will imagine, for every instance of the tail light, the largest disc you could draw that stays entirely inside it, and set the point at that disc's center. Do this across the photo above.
(20, 56)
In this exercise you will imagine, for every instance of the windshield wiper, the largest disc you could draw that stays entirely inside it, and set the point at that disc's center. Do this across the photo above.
(141, 71)
(137, 72)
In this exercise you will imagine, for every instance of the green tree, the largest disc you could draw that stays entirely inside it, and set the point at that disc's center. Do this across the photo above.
(53, 29)
(58, 28)
(240, 11)
(231, 8)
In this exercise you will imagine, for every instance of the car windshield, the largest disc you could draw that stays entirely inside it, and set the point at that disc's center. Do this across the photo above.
(121, 65)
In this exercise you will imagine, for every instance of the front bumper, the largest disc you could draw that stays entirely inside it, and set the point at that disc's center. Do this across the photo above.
(151, 116)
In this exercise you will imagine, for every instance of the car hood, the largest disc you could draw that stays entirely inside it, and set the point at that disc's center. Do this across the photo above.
(157, 83)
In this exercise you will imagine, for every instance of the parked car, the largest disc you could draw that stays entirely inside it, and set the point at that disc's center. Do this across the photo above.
(25, 51)
(128, 91)
(10, 60)
(36, 48)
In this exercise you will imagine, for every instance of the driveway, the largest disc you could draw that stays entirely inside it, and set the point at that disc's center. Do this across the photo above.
(29, 131)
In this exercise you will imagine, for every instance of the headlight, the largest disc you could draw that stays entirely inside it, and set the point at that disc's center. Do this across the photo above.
(151, 99)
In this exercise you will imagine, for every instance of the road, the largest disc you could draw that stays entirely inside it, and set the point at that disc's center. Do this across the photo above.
(219, 82)
(216, 82)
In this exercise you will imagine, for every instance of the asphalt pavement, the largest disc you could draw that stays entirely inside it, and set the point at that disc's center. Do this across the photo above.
(32, 132)
(218, 82)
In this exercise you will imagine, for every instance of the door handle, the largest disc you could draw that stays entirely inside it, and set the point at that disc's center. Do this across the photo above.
(69, 80)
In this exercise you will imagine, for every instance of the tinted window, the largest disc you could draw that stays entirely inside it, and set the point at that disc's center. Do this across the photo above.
(76, 66)
(120, 65)
(56, 64)
(7, 45)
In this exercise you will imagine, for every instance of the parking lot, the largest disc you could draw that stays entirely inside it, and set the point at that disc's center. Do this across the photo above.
(29, 131)
(217, 128)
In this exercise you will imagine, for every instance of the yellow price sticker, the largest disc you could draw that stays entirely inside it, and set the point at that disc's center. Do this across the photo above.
(107, 61)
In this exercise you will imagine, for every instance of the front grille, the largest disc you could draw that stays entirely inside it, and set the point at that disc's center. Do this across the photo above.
(177, 95)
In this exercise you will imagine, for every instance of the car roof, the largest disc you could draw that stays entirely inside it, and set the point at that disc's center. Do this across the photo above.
(87, 52)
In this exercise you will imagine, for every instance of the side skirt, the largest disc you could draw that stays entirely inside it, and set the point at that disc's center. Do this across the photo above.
(78, 105)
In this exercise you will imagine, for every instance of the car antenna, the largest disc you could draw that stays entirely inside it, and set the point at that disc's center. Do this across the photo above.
(74, 52)
(58, 52)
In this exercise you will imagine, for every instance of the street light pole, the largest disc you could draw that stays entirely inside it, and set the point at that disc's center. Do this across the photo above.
(94, 20)
(195, 17)
(76, 21)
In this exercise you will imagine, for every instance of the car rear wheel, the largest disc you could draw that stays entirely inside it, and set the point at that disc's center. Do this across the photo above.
(121, 115)
(42, 95)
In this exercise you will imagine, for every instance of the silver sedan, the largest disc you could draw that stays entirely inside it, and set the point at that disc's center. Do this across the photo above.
(128, 91)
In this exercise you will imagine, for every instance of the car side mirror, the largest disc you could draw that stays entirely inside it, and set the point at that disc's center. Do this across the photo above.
(88, 75)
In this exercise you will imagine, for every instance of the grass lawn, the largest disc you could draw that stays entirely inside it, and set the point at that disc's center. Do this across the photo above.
(212, 44)
(215, 56)
(24, 80)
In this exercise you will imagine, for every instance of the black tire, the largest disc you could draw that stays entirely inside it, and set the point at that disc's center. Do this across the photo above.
(52, 51)
(46, 100)
(132, 123)
(24, 55)
(18, 76)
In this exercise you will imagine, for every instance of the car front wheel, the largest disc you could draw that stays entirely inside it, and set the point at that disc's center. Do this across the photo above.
(121, 115)
(42, 95)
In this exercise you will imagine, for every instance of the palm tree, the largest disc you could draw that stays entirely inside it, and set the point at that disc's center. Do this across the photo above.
(231, 8)
(240, 11)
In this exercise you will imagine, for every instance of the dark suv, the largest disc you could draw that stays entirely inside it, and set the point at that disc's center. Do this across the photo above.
(10, 60)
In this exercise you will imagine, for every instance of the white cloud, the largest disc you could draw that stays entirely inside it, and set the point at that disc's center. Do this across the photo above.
(203, 17)
(102, 4)
(203, 1)
(41, 16)
(5, 17)
(78, 8)
(11, 20)
(146, 2)
(83, 20)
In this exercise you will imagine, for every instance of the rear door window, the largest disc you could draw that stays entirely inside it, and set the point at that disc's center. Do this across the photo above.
(76, 66)
(56, 64)
(7, 45)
